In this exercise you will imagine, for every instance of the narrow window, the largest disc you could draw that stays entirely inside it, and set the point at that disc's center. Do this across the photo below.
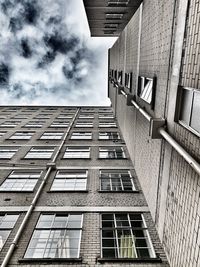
(7, 223)
(114, 16)
(125, 235)
(56, 236)
(190, 109)
(70, 180)
(39, 153)
(77, 153)
(20, 181)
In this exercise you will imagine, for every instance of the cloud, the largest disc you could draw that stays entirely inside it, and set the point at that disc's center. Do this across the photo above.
(47, 56)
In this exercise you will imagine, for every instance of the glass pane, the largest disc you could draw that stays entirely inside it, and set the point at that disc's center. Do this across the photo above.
(186, 105)
(3, 237)
(195, 120)
(109, 253)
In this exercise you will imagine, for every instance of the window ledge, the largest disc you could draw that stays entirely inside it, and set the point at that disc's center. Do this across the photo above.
(16, 192)
(49, 260)
(129, 260)
(68, 191)
(129, 191)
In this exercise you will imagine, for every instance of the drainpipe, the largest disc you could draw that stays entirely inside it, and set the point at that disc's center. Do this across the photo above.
(157, 130)
(50, 167)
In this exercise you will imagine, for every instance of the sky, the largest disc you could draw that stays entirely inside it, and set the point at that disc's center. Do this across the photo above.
(47, 56)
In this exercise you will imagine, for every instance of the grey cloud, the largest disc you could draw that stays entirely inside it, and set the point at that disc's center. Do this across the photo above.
(4, 74)
(44, 56)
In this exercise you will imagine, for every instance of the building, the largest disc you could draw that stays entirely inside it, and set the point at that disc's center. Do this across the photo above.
(154, 86)
(69, 192)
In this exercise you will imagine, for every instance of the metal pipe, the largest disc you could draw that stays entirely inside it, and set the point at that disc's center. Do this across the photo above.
(193, 163)
(35, 199)
(142, 111)
(123, 93)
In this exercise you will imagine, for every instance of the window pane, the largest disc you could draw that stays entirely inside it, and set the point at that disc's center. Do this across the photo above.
(195, 120)
(186, 105)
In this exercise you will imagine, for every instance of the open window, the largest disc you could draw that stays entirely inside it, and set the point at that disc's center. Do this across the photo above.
(146, 89)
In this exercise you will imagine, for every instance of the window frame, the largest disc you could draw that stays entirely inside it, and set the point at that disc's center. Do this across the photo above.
(113, 151)
(9, 148)
(23, 133)
(51, 139)
(40, 158)
(24, 259)
(10, 228)
(80, 147)
(109, 139)
(76, 139)
(145, 228)
(179, 108)
(72, 171)
(21, 171)
(142, 82)
(117, 171)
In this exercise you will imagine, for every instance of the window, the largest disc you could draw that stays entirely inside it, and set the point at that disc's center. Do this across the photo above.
(51, 136)
(116, 180)
(77, 153)
(2, 133)
(70, 180)
(106, 116)
(56, 236)
(120, 77)
(59, 124)
(43, 116)
(20, 181)
(109, 136)
(22, 135)
(39, 153)
(7, 223)
(125, 235)
(146, 89)
(86, 116)
(81, 135)
(21, 116)
(111, 153)
(34, 124)
(119, 3)
(9, 124)
(190, 109)
(65, 116)
(107, 124)
(128, 80)
(111, 25)
(7, 152)
(84, 124)
(114, 16)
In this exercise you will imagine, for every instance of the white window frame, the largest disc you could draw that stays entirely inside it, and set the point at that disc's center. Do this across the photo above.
(73, 152)
(22, 178)
(40, 153)
(71, 176)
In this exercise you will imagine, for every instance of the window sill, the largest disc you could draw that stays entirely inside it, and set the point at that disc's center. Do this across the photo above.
(129, 191)
(16, 192)
(129, 260)
(68, 191)
(49, 260)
